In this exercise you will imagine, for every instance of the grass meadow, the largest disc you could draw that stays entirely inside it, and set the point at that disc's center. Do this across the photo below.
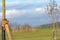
(39, 34)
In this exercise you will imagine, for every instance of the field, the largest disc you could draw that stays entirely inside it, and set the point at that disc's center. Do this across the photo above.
(40, 34)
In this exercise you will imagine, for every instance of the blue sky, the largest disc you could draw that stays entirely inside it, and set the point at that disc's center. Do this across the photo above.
(27, 11)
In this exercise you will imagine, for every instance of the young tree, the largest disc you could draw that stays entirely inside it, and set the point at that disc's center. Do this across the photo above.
(53, 12)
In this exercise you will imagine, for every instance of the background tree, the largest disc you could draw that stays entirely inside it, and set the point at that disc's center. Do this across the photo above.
(26, 27)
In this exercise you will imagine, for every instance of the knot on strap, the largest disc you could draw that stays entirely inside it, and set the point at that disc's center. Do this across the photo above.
(4, 21)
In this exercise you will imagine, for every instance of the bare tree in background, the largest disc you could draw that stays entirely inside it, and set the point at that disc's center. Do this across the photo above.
(26, 28)
(53, 12)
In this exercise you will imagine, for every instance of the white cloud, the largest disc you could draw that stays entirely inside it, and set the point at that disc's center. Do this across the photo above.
(0, 4)
(0, 15)
(40, 10)
(43, 1)
(37, 1)
(18, 2)
(12, 3)
(13, 13)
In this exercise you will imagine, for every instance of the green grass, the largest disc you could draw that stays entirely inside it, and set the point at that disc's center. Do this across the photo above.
(40, 34)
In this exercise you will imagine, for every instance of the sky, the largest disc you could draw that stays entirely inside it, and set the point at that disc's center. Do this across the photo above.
(31, 12)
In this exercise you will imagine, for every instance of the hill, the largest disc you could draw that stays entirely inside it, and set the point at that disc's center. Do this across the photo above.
(57, 24)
